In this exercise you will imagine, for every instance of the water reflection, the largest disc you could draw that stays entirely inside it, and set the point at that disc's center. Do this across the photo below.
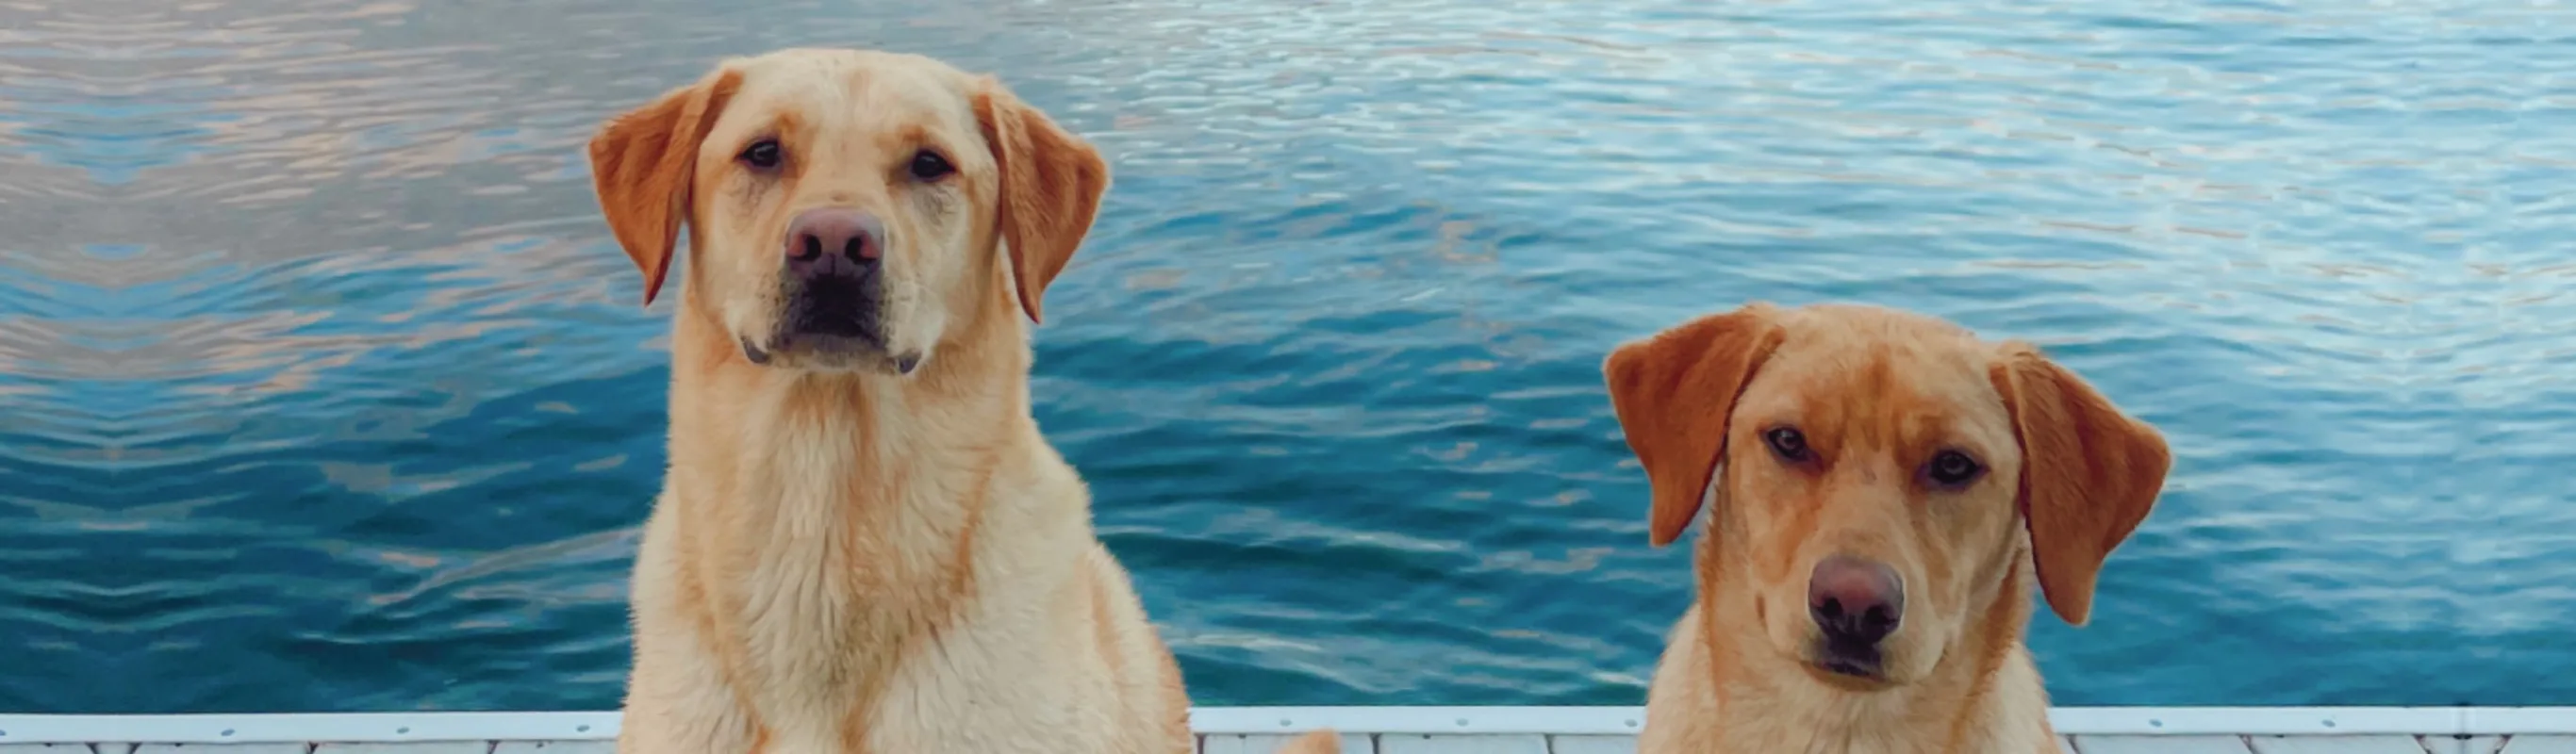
(312, 350)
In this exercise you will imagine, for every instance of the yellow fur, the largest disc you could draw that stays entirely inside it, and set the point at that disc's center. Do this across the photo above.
(847, 559)
(1875, 394)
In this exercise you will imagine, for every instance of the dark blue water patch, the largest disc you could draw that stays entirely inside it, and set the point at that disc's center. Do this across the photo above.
(408, 512)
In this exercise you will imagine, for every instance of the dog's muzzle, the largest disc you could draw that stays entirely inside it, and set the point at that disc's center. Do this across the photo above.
(1856, 605)
(833, 290)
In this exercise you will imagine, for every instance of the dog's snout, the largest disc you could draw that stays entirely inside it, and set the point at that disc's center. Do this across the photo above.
(834, 290)
(829, 238)
(1855, 601)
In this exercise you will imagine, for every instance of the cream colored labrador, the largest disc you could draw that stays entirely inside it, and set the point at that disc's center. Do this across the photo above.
(1883, 490)
(863, 545)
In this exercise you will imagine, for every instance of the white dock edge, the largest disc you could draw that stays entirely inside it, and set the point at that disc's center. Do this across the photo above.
(2439, 730)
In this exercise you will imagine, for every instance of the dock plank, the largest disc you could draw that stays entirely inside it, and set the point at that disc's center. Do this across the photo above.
(1352, 743)
(2161, 745)
(556, 747)
(1429, 730)
(2336, 745)
(1592, 744)
(1414, 743)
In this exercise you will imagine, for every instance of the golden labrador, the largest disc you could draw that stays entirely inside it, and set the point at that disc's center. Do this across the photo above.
(863, 545)
(1884, 490)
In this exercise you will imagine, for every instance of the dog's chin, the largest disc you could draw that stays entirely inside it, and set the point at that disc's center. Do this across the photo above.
(1851, 669)
(830, 354)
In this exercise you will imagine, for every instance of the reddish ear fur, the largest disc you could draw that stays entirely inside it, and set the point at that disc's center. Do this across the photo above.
(1051, 184)
(2089, 473)
(1674, 393)
(641, 165)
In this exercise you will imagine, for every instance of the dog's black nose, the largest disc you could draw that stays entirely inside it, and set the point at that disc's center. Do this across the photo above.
(828, 240)
(1855, 602)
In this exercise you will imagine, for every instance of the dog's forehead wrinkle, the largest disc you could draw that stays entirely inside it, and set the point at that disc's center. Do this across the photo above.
(853, 92)
(1853, 389)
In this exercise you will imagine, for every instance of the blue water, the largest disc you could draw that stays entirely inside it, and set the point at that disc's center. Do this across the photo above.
(322, 386)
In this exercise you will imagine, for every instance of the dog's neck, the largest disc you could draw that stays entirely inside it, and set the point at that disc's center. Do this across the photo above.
(834, 517)
(1766, 702)
(887, 468)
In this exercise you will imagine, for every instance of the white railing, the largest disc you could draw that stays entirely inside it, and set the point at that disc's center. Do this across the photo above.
(390, 727)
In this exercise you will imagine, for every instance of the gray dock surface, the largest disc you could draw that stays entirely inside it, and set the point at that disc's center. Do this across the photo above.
(1366, 730)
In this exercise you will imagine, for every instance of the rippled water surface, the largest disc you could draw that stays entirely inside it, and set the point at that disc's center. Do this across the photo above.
(322, 386)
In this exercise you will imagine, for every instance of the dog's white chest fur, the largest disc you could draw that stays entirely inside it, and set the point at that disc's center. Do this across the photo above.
(827, 629)
(801, 625)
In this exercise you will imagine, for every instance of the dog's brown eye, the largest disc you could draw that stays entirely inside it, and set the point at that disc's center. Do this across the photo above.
(1952, 468)
(761, 154)
(1788, 442)
(929, 166)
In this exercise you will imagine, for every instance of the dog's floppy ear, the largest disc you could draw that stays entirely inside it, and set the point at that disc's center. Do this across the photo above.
(1674, 393)
(1051, 184)
(641, 165)
(2089, 474)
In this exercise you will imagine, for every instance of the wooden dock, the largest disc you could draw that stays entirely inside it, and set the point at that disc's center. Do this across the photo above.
(1382, 730)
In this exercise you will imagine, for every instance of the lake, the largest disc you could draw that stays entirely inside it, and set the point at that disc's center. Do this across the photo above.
(324, 388)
